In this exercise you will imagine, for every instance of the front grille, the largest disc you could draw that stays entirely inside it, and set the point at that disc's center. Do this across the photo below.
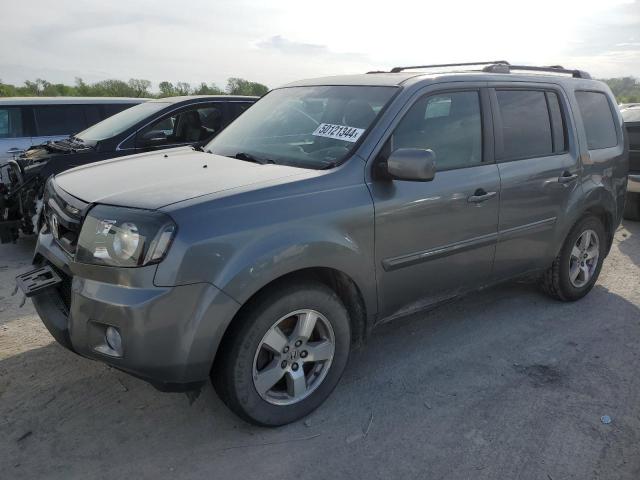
(63, 214)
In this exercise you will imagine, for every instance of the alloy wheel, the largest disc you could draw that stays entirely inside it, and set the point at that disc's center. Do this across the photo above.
(584, 258)
(293, 357)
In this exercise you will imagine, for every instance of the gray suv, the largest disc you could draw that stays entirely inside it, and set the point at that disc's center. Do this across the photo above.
(330, 206)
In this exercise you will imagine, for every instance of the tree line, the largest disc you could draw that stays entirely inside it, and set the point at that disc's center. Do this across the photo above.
(135, 87)
(626, 89)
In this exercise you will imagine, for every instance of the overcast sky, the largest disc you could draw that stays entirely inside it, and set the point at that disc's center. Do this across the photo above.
(274, 42)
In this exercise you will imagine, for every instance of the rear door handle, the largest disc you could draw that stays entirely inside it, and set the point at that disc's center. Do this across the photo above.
(480, 196)
(567, 177)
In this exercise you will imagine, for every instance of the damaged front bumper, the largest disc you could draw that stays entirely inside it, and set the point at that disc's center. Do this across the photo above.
(169, 334)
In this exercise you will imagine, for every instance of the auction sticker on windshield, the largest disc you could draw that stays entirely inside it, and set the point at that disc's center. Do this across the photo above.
(338, 132)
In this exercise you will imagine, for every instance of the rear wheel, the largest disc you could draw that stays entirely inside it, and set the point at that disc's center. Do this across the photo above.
(284, 355)
(576, 268)
(632, 206)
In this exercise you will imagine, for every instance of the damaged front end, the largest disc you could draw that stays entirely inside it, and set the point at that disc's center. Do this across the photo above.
(22, 183)
(20, 201)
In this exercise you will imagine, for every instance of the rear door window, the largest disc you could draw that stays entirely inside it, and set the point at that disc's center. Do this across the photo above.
(598, 120)
(237, 108)
(190, 125)
(52, 120)
(526, 124)
(11, 124)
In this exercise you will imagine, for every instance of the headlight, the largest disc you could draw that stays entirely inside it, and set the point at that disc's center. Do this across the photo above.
(124, 237)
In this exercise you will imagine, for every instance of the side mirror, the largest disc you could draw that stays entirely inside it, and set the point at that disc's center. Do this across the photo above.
(412, 164)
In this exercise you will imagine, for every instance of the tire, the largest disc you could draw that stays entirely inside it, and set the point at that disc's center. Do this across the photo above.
(275, 319)
(558, 280)
(632, 206)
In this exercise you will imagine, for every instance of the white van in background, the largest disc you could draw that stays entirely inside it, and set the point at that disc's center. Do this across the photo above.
(27, 121)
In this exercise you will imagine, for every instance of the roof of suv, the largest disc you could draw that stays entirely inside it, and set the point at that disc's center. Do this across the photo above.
(403, 78)
(187, 98)
(495, 71)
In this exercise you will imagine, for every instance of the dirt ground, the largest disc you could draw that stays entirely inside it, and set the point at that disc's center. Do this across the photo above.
(503, 384)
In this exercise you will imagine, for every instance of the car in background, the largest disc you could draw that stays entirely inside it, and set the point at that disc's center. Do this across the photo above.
(631, 117)
(150, 126)
(27, 121)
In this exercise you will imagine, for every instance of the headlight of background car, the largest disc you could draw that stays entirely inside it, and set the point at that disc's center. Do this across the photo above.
(124, 237)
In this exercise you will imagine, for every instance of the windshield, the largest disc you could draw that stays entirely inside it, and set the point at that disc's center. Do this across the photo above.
(119, 122)
(311, 127)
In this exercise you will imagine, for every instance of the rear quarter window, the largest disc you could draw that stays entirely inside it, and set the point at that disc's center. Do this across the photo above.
(59, 119)
(598, 120)
(11, 122)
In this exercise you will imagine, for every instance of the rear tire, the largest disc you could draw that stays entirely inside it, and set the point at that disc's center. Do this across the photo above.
(284, 354)
(632, 206)
(576, 268)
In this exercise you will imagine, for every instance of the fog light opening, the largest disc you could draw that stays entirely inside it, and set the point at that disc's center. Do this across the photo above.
(114, 340)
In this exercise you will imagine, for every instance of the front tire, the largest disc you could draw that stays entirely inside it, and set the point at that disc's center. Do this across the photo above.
(575, 270)
(284, 354)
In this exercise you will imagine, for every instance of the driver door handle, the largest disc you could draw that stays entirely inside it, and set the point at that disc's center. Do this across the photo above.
(480, 196)
(567, 177)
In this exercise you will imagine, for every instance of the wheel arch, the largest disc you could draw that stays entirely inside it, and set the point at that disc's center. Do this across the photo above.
(598, 203)
(342, 284)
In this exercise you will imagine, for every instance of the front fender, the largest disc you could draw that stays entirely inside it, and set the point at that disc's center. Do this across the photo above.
(266, 259)
(241, 246)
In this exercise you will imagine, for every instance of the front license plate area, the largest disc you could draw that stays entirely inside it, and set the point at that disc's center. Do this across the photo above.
(33, 282)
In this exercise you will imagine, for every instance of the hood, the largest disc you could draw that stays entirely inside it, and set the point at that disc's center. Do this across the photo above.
(157, 179)
(46, 151)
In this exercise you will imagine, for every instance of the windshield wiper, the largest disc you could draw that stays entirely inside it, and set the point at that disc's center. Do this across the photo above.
(329, 166)
(247, 157)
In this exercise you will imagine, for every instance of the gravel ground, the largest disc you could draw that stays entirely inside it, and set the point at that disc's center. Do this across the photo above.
(503, 384)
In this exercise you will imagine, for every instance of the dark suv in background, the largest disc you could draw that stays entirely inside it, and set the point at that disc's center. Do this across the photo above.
(150, 126)
(27, 121)
(631, 117)
(330, 206)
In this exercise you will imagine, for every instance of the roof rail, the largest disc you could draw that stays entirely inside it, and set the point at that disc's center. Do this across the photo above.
(493, 62)
(507, 68)
(501, 66)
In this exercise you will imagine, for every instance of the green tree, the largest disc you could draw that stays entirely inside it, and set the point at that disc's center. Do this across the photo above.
(134, 87)
(139, 87)
(81, 89)
(183, 88)
(7, 90)
(625, 89)
(166, 89)
(205, 89)
(240, 86)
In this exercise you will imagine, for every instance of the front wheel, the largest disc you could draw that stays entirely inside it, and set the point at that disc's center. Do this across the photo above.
(576, 268)
(284, 354)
